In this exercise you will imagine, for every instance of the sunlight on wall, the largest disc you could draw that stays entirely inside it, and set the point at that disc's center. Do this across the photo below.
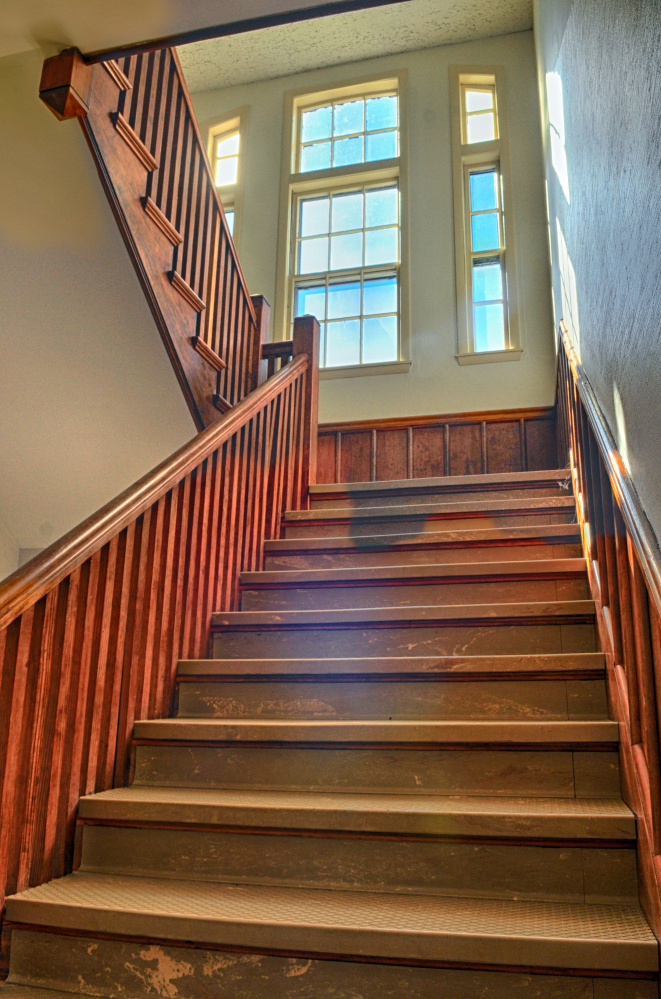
(557, 130)
(569, 293)
(620, 422)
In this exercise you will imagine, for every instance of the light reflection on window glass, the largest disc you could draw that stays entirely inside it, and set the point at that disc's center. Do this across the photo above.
(347, 132)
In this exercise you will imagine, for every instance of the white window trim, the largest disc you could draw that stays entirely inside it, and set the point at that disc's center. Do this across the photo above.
(292, 185)
(230, 196)
(464, 156)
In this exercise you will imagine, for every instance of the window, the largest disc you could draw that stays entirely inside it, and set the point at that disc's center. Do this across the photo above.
(486, 287)
(226, 137)
(342, 242)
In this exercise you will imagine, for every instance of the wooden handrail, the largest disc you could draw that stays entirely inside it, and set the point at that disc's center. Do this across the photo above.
(624, 570)
(29, 583)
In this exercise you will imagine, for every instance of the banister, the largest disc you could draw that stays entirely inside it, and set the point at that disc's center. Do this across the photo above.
(29, 583)
(633, 513)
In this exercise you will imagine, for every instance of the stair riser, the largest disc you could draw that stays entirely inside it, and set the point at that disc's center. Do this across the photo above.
(359, 502)
(486, 871)
(401, 641)
(425, 556)
(498, 700)
(427, 525)
(427, 595)
(517, 772)
(124, 968)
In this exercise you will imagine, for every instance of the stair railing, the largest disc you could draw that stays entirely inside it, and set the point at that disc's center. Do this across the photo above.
(91, 629)
(624, 565)
(139, 123)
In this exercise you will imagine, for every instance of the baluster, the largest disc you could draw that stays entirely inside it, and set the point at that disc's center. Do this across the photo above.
(626, 615)
(306, 341)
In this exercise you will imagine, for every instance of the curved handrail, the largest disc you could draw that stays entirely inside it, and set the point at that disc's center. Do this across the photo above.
(29, 583)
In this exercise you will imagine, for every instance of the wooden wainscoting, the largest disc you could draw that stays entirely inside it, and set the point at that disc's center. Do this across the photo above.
(511, 440)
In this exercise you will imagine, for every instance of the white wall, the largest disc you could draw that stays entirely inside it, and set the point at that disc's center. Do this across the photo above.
(8, 552)
(436, 383)
(88, 399)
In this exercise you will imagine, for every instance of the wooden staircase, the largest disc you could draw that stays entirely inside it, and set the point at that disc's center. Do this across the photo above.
(396, 777)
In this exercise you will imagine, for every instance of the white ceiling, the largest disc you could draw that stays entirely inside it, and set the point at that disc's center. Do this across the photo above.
(363, 34)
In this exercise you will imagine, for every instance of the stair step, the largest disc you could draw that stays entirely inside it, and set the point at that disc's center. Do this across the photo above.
(457, 816)
(426, 517)
(140, 970)
(387, 586)
(384, 926)
(451, 487)
(483, 545)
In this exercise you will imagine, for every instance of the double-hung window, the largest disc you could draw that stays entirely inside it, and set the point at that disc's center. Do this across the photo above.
(344, 221)
(488, 322)
(225, 153)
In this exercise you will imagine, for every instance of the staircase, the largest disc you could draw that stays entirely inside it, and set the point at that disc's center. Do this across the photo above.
(397, 777)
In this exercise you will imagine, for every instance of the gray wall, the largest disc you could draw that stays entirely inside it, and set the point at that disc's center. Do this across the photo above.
(88, 399)
(607, 55)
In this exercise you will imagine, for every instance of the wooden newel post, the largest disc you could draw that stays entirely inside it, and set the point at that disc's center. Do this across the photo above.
(65, 84)
(263, 335)
(306, 341)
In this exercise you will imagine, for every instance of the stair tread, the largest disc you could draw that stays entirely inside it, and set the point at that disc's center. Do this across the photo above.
(424, 613)
(457, 815)
(410, 732)
(428, 540)
(445, 666)
(454, 570)
(431, 928)
(443, 482)
(8, 990)
(478, 506)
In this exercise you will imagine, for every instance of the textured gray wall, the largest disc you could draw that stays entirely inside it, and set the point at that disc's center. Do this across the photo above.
(607, 54)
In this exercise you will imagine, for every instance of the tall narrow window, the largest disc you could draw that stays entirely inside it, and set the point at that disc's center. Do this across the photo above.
(486, 293)
(226, 140)
(344, 260)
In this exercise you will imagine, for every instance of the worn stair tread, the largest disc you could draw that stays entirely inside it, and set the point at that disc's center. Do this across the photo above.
(8, 990)
(604, 819)
(339, 922)
(472, 536)
(367, 616)
(443, 483)
(454, 571)
(443, 667)
(420, 510)
(547, 733)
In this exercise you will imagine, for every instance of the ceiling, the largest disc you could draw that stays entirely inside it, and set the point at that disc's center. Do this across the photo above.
(363, 34)
(91, 25)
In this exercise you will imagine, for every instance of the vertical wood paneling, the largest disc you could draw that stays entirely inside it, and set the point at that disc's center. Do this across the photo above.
(391, 454)
(504, 447)
(465, 449)
(356, 458)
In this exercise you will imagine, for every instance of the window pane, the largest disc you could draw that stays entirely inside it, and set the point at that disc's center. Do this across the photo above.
(484, 191)
(381, 246)
(349, 118)
(381, 113)
(314, 216)
(381, 205)
(347, 211)
(228, 146)
(322, 344)
(480, 127)
(316, 157)
(479, 100)
(313, 256)
(485, 232)
(344, 300)
(487, 281)
(229, 215)
(343, 343)
(381, 146)
(380, 295)
(226, 171)
(346, 251)
(311, 301)
(317, 124)
(348, 151)
(489, 327)
(380, 340)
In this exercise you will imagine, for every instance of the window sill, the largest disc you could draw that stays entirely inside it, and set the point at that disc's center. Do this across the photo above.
(491, 356)
(360, 370)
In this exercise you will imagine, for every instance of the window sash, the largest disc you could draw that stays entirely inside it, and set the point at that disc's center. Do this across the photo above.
(364, 95)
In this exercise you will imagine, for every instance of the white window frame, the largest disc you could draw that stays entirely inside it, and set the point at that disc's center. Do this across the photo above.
(231, 196)
(466, 158)
(295, 184)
